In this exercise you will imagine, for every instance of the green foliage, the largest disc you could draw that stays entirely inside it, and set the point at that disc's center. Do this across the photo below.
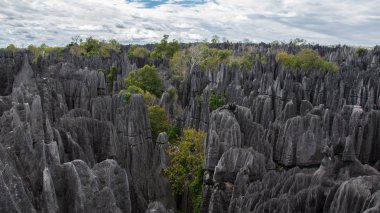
(179, 64)
(306, 59)
(201, 55)
(186, 165)
(212, 58)
(172, 92)
(173, 132)
(158, 121)
(196, 191)
(91, 46)
(146, 78)
(262, 59)
(44, 50)
(148, 97)
(215, 100)
(94, 47)
(138, 52)
(224, 54)
(111, 77)
(11, 48)
(244, 61)
(361, 51)
(165, 49)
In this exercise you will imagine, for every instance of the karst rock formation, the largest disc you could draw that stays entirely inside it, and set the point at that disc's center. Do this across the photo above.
(285, 141)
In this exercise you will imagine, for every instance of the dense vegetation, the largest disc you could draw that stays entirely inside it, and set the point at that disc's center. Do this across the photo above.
(43, 51)
(93, 47)
(111, 74)
(147, 79)
(306, 59)
(138, 52)
(158, 120)
(160, 123)
(185, 171)
(88, 47)
(165, 49)
(216, 100)
(202, 56)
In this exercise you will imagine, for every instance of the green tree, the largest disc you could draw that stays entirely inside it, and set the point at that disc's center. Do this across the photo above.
(44, 51)
(138, 52)
(244, 61)
(11, 48)
(91, 46)
(186, 165)
(94, 47)
(306, 59)
(199, 55)
(148, 97)
(146, 78)
(178, 65)
(185, 61)
(158, 121)
(165, 49)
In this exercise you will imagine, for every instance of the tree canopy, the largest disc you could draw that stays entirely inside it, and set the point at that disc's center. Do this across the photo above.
(138, 52)
(94, 47)
(165, 49)
(186, 165)
(306, 59)
(147, 79)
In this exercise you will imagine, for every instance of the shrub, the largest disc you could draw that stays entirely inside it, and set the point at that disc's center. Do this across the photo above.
(11, 48)
(212, 58)
(244, 61)
(186, 166)
(215, 100)
(198, 55)
(146, 78)
(158, 121)
(224, 54)
(148, 97)
(138, 52)
(306, 59)
(172, 92)
(44, 50)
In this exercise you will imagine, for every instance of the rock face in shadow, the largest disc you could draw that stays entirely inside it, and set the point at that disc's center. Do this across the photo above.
(67, 145)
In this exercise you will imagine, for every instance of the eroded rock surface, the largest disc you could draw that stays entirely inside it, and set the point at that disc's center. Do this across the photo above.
(68, 145)
(285, 140)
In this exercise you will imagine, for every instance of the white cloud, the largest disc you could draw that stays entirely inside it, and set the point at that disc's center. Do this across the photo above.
(55, 21)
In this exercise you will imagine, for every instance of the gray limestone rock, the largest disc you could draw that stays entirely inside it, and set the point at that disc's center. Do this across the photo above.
(238, 160)
(286, 140)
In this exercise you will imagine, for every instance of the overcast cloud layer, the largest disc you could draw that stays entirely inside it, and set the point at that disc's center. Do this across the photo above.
(55, 22)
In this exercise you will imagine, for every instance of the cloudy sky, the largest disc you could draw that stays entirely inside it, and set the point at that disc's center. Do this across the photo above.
(55, 22)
